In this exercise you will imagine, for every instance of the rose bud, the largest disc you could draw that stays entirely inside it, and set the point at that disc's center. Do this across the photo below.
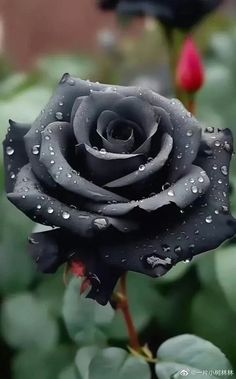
(190, 70)
(124, 178)
(182, 14)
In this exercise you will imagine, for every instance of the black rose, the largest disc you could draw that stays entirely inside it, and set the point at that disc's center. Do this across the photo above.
(177, 13)
(130, 180)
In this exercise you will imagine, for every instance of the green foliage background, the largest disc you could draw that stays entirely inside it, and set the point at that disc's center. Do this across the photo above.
(50, 332)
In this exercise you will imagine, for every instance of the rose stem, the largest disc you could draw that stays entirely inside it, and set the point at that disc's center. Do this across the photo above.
(191, 103)
(174, 43)
(123, 305)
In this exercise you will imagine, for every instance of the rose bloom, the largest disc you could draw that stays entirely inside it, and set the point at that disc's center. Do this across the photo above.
(124, 178)
(177, 13)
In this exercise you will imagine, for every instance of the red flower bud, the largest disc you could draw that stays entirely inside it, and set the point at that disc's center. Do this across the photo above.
(190, 70)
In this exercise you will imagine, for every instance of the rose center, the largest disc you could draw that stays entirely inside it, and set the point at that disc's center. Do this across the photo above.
(119, 130)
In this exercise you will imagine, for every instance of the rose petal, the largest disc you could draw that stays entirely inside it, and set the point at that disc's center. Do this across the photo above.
(28, 196)
(139, 111)
(202, 226)
(106, 123)
(15, 155)
(146, 172)
(53, 248)
(59, 107)
(183, 193)
(88, 112)
(58, 139)
(102, 166)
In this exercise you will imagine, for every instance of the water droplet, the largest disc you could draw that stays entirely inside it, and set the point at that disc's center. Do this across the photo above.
(61, 104)
(165, 248)
(12, 175)
(227, 146)
(47, 138)
(177, 249)
(35, 149)
(69, 175)
(217, 212)
(165, 186)
(50, 210)
(214, 166)
(224, 170)
(179, 156)
(192, 180)
(71, 82)
(9, 150)
(141, 167)
(52, 162)
(208, 219)
(194, 189)
(103, 151)
(100, 223)
(170, 193)
(150, 159)
(59, 116)
(220, 181)
(217, 143)
(209, 129)
(60, 168)
(201, 179)
(225, 208)
(39, 206)
(186, 261)
(65, 215)
(189, 133)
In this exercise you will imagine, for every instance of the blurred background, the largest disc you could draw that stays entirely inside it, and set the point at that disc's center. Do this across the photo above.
(44, 326)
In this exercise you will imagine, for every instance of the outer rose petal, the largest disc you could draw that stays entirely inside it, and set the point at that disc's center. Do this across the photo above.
(15, 155)
(203, 225)
(52, 248)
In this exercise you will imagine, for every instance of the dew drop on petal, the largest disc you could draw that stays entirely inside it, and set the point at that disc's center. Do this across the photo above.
(9, 150)
(141, 167)
(225, 208)
(165, 186)
(59, 116)
(170, 193)
(39, 206)
(224, 170)
(208, 219)
(200, 179)
(50, 210)
(35, 149)
(214, 166)
(65, 215)
(194, 189)
(217, 143)
(189, 133)
(100, 223)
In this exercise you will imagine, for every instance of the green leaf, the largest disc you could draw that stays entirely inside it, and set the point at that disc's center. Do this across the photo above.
(27, 324)
(192, 354)
(85, 318)
(225, 265)
(16, 266)
(117, 363)
(69, 373)
(42, 365)
(55, 66)
(83, 359)
(212, 319)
